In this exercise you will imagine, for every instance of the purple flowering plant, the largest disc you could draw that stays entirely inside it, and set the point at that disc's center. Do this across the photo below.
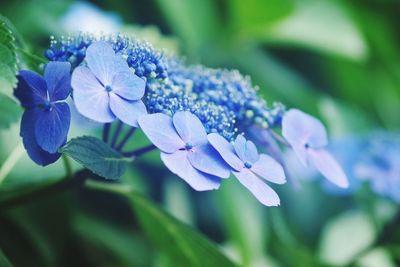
(196, 116)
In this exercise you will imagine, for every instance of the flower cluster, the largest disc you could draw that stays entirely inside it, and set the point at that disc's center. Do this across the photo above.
(195, 116)
(379, 164)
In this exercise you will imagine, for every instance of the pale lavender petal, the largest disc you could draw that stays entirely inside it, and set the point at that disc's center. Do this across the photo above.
(206, 159)
(127, 111)
(159, 129)
(240, 146)
(104, 63)
(90, 97)
(328, 166)
(179, 164)
(269, 169)
(52, 127)
(58, 80)
(246, 150)
(128, 86)
(301, 129)
(225, 149)
(190, 128)
(265, 194)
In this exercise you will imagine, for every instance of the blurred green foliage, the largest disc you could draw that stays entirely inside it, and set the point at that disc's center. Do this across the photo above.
(336, 59)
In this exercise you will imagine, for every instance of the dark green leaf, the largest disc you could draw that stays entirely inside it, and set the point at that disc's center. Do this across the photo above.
(9, 111)
(97, 156)
(4, 262)
(183, 245)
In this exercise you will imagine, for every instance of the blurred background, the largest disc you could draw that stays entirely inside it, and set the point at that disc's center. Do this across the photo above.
(338, 60)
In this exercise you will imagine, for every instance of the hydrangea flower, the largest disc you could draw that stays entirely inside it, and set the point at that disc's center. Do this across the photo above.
(308, 138)
(45, 122)
(185, 150)
(107, 89)
(249, 167)
(379, 164)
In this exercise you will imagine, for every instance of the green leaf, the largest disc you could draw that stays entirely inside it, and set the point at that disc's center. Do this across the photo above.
(9, 111)
(255, 15)
(345, 237)
(320, 25)
(196, 24)
(97, 156)
(8, 59)
(4, 262)
(183, 245)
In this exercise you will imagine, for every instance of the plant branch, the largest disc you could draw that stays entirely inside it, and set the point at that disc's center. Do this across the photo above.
(140, 151)
(123, 142)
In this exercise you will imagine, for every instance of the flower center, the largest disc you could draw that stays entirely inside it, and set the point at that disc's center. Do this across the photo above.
(108, 88)
(248, 165)
(188, 145)
(46, 105)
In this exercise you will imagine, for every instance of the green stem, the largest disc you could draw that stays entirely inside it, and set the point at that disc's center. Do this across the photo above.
(67, 166)
(10, 162)
(115, 188)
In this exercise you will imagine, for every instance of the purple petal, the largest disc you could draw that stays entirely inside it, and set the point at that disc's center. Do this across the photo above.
(127, 111)
(301, 129)
(225, 149)
(159, 129)
(206, 159)
(128, 86)
(52, 127)
(179, 164)
(190, 128)
(258, 188)
(31, 90)
(58, 80)
(104, 63)
(327, 165)
(269, 169)
(38, 155)
(246, 150)
(90, 97)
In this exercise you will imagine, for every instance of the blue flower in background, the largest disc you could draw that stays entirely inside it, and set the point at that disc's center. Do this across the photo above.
(107, 89)
(249, 166)
(185, 150)
(308, 138)
(46, 120)
(380, 165)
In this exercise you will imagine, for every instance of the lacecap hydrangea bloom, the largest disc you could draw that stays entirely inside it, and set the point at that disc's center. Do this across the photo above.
(196, 116)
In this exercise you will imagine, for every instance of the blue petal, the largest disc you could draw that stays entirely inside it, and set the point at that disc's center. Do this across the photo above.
(90, 97)
(246, 150)
(301, 129)
(31, 89)
(38, 155)
(328, 167)
(258, 188)
(58, 80)
(179, 164)
(52, 127)
(159, 129)
(127, 111)
(225, 149)
(103, 62)
(190, 128)
(269, 169)
(128, 86)
(206, 159)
